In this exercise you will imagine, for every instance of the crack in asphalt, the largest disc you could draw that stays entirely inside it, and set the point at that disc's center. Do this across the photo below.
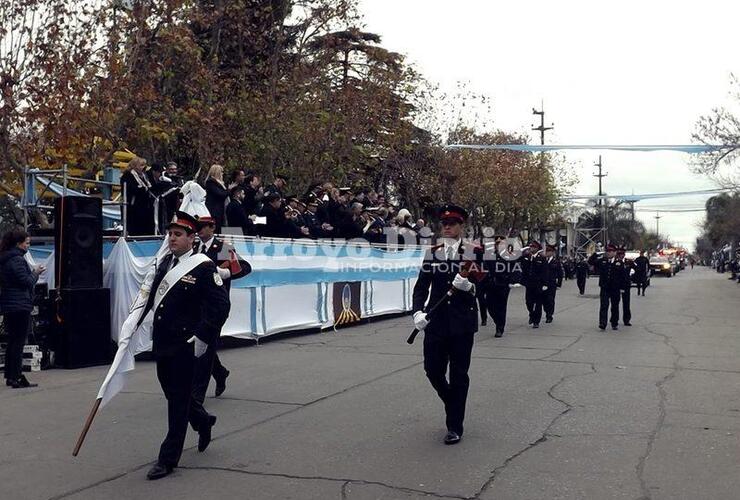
(546, 434)
(346, 482)
(640, 468)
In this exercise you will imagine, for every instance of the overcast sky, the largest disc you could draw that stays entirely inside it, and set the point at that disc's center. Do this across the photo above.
(628, 72)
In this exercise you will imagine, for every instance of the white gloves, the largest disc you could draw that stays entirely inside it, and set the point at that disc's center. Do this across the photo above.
(420, 320)
(224, 273)
(200, 346)
(514, 285)
(461, 283)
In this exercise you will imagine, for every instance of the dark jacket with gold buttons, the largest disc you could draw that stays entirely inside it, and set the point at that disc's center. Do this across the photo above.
(198, 304)
(612, 275)
(457, 313)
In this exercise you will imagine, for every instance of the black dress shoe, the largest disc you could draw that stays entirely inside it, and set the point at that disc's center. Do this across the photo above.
(8, 382)
(22, 383)
(452, 437)
(548, 320)
(158, 471)
(221, 383)
(602, 327)
(627, 323)
(536, 325)
(204, 434)
(615, 327)
(499, 333)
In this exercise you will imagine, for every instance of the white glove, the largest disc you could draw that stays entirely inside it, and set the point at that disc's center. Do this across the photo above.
(544, 287)
(514, 285)
(461, 283)
(224, 273)
(420, 320)
(200, 346)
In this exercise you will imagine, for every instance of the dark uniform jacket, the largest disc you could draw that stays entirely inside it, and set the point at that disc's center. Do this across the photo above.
(554, 275)
(237, 217)
(613, 274)
(504, 272)
(198, 304)
(534, 270)
(458, 313)
(582, 268)
(218, 256)
(642, 268)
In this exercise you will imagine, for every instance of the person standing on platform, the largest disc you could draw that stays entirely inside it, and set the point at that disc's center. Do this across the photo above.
(611, 281)
(210, 364)
(139, 199)
(17, 281)
(216, 194)
(581, 274)
(189, 305)
(450, 329)
(534, 270)
(642, 271)
(627, 286)
(554, 281)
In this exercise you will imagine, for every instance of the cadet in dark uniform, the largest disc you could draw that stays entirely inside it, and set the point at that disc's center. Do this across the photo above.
(642, 271)
(554, 280)
(628, 266)
(534, 269)
(190, 305)
(581, 274)
(611, 281)
(449, 332)
(214, 249)
(504, 273)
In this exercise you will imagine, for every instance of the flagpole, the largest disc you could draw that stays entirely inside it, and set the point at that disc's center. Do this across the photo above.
(90, 418)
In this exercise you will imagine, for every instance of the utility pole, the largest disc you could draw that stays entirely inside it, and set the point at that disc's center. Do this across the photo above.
(657, 222)
(602, 208)
(542, 129)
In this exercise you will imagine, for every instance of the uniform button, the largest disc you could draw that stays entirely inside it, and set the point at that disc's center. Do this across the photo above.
(161, 306)
(159, 316)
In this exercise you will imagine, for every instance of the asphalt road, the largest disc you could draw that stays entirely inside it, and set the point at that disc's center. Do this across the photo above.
(566, 411)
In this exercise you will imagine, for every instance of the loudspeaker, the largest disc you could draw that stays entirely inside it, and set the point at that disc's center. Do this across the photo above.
(78, 242)
(82, 327)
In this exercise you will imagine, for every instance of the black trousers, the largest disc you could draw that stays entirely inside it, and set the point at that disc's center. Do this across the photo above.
(534, 298)
(481, 294)
(454, 349)
(641, 285)
(548, 301)
(497, 300)
(581, 282)
(609, 298)
(218, 370)
(201, 377)
(175, 374)
(16, 327)
(627, 313)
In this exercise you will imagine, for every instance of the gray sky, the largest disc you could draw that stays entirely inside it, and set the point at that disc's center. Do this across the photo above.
(628, 72)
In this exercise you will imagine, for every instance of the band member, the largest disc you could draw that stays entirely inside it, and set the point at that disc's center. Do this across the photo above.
(554, 280)
(611, 281)
(581, 274)
(450, 329)
(534, 270)
(626, 290)
(214, 248)
(642, 271)
(189, 305)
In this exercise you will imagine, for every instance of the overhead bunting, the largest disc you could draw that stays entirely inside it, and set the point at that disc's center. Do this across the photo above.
(532, 148)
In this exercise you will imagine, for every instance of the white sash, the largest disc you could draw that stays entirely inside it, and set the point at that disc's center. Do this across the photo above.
(175, 274)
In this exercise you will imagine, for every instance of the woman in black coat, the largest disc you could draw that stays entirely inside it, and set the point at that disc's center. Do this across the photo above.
(216, 195)
(17, 280)
(139, 199)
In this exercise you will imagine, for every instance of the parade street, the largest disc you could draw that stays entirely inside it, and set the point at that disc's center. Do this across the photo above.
(566, 411)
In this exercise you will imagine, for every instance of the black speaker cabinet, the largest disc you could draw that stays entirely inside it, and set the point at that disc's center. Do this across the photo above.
(78, 242)
(82, 327)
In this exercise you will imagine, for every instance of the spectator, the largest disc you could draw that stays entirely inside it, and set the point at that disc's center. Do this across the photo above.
(236, 178)
(272, 210)
(216, 195)
(253, 193)
(17, 280)
(139, 199)
(277, 186)
(316, 228)
(235, 214)
(173, 175)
